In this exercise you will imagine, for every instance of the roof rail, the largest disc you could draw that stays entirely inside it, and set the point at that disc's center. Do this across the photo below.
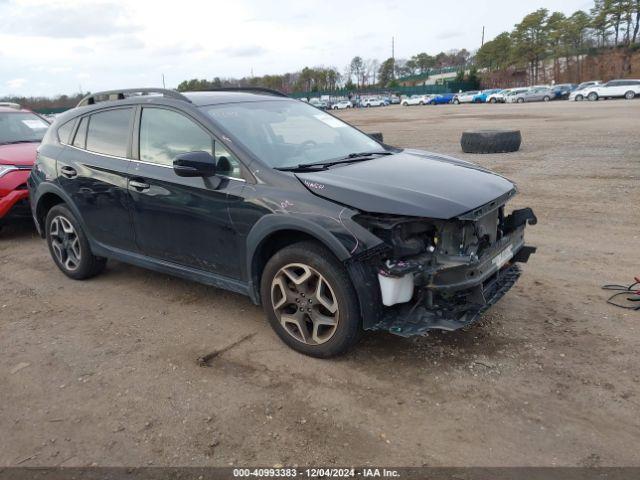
(271, 91)
(11, 105)
(96, 97)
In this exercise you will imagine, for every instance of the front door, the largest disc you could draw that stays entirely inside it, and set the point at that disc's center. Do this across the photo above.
(184, 220)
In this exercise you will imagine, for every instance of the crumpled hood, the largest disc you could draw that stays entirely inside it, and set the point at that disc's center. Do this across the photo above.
(18, 154)
(413, 183)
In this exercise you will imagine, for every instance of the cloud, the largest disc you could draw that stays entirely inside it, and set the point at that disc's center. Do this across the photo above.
(247, 51)
(447, 34)
(16, 82)
(61, 21)
(175, 50)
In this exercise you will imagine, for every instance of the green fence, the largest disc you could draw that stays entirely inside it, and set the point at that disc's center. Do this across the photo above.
(49, 111)
(448, 87)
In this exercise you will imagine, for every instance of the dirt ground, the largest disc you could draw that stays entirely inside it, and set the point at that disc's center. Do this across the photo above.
(105, 371)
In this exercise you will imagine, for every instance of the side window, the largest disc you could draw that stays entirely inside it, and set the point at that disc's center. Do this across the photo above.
(164, 134)
(64, 131)
(227, 163)
(108, 132)
(81, 135)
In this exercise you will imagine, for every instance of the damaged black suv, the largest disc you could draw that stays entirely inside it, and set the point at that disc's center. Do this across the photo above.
(331, 230)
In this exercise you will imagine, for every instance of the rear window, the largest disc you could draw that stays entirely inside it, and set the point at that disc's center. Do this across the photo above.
(108, 132)
(64, 131)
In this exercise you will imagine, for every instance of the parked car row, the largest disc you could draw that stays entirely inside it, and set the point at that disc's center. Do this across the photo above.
(341, 103)
(591, 90)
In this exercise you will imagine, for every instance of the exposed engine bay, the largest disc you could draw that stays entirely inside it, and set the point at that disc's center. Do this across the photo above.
(442, 274)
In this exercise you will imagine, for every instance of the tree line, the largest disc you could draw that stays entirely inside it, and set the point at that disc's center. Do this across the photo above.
(552, 37)
(358, 73)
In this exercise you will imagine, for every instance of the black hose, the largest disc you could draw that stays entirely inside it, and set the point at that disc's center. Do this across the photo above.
(633, 292)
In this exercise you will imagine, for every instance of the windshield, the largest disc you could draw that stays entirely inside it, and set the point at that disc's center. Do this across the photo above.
(290, 133)
(21, 127)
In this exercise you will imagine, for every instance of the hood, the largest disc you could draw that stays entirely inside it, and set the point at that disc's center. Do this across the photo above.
(412, 183)
(18, 154)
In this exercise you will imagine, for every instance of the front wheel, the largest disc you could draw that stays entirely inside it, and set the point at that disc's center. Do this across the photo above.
(629, 95)
(493, 100)
(593, 96)
(546, 99)
(456, 101)
(310, 301)
(521, 100)
(579, 98)
(69, 246)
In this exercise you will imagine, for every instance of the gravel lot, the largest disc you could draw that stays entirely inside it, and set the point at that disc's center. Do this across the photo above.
(105, 371)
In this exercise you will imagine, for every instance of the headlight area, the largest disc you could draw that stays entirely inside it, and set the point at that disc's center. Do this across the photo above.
(442, 274)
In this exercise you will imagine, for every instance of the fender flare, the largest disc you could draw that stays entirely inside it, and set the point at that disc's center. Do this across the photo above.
(46, 188)
(270, 224)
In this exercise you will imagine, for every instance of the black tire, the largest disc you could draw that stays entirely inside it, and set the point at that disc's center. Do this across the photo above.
(593, 96)
(490, 141)
(546, 98)
(88, 265)
(348, 329)
(493, 100)
(520, 100)
(579, 98)
(456, 101)
(629, 95)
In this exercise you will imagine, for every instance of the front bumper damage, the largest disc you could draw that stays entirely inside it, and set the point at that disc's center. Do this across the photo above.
(456, 277)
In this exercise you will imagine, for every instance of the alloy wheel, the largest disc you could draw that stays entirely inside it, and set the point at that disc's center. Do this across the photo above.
(65, 243)
(305, 304)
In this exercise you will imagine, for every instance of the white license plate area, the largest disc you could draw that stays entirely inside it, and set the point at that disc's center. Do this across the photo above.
(503, 257)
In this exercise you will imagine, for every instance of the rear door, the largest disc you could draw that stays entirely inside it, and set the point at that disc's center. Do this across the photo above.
(183, 220)
(92, 170)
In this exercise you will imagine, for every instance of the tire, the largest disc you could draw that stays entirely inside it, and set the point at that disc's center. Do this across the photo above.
(629, 95)
(329, 340)
(456, 101)
(520, 100)
(579, 98)
(546, 99)
(493, 100)
(593, 96)
(65, 235)
(490, 141)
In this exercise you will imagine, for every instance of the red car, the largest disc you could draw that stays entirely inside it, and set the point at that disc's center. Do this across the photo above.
(21, 131)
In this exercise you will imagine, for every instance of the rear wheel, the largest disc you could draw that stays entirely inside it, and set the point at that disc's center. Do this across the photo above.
(492, 100)
(456, 101)
(69, 246)
(309, 300)
(546, 99)
(629, 95)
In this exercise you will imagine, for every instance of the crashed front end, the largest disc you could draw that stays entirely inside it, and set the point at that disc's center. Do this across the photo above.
(442, 274)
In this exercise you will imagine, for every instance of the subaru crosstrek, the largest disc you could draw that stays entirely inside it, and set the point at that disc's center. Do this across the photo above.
(20, 133)
(331, 230)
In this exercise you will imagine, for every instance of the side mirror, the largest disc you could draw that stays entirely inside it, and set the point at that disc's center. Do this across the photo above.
(195, 164)
(377, 136)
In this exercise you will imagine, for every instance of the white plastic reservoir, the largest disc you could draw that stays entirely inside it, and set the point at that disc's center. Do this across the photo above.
(396, 289)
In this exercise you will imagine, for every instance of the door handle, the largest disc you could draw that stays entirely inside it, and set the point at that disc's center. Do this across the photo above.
(68, 171)
(138, 185)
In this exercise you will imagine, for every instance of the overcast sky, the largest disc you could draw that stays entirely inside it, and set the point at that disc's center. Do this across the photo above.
(53, 47)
